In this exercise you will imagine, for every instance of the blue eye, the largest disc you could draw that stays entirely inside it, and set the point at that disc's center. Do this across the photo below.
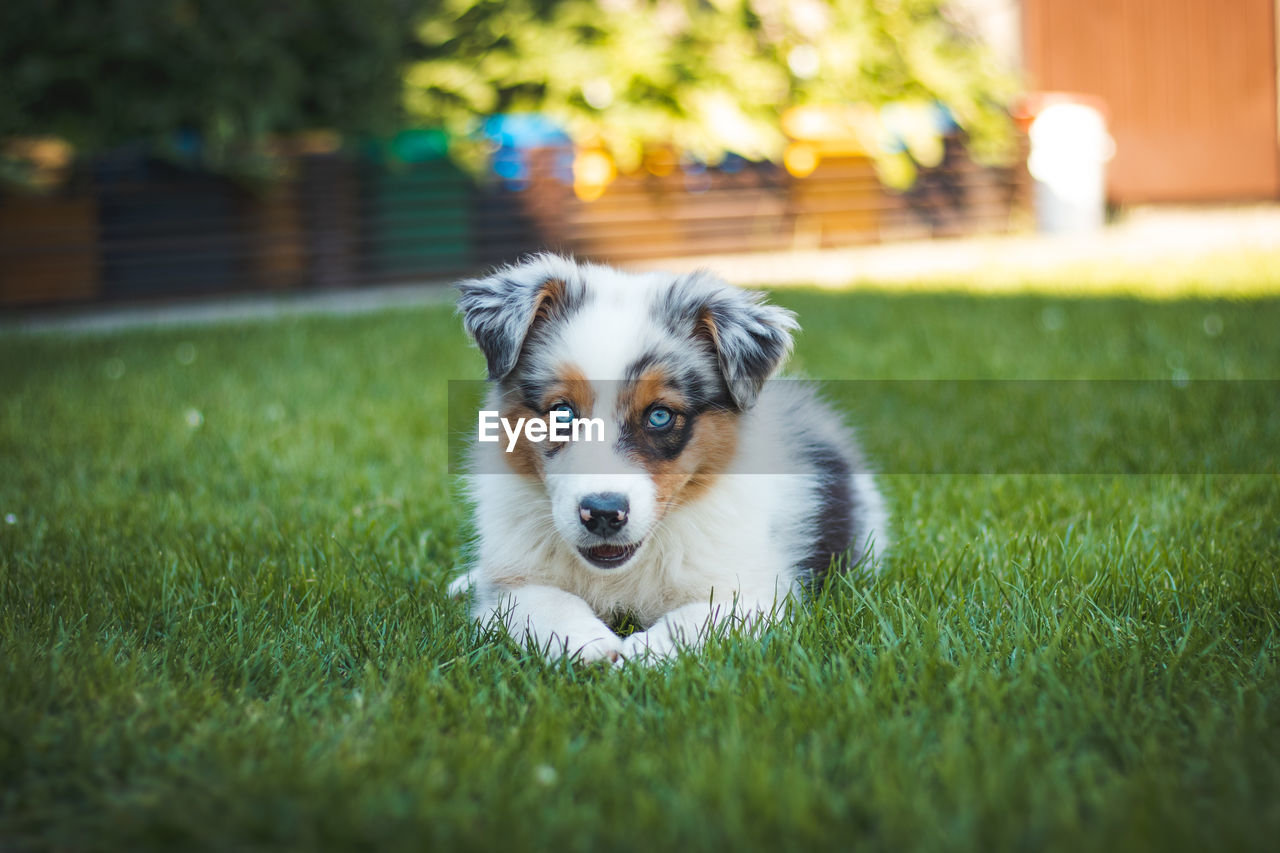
(563, 411)
(660, 418)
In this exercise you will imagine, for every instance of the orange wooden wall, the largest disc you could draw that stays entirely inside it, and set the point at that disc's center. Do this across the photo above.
(1190, 86)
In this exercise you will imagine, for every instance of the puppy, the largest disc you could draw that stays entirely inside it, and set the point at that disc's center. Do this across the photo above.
(697, 494)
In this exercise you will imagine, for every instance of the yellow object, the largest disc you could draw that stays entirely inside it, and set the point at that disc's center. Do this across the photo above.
(801, 159)
(660, 162)
(593, 171)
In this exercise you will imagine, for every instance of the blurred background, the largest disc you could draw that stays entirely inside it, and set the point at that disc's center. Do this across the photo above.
(163, 149)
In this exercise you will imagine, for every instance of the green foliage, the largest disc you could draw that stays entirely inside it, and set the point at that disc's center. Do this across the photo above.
(228, 73)
(223, 624)
(708, 77)
(217, 80)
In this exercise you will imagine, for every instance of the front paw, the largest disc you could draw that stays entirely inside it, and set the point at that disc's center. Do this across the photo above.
(600, 649)
(652, 646)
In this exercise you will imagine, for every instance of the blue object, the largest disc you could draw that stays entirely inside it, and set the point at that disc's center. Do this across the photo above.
(513, 135)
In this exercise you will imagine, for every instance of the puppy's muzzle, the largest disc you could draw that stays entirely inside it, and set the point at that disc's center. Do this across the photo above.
(604, 513)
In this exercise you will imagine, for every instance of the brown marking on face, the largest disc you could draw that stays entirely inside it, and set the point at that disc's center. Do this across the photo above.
(572, 386)
(525, 457)
(653, 387)
(528, 457)
(706, 450)
(703, 459)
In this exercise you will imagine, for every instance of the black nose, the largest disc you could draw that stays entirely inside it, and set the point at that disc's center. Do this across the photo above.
(604, 513)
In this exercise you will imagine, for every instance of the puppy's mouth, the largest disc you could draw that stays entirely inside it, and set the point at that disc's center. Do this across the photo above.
(608, 556)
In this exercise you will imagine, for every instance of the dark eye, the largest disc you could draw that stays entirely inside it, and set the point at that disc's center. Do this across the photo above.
(659, 418)
(563, 411)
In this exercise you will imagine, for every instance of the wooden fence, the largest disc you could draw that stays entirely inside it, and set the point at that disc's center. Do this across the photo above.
(1189, 88)
(135, 230)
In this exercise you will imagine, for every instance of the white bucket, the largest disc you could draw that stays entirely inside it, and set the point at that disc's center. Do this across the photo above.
(1070, 148)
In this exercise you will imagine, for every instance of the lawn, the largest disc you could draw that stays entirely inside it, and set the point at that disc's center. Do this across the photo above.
(223, 554)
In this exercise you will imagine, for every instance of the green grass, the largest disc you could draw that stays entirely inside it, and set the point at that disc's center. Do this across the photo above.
(223, 625)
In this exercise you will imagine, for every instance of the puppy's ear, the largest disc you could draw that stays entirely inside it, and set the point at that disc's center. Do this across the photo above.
(750, 338)
(501, 311)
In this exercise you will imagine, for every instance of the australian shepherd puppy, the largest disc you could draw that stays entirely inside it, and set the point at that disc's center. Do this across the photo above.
(698, 493)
